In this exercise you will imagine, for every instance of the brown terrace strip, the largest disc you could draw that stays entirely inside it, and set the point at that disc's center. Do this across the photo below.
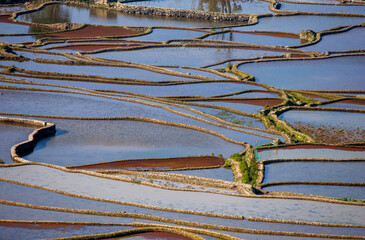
(273, 34)
(313, 146)
(169, 163)
(5, 19)
(97, 31)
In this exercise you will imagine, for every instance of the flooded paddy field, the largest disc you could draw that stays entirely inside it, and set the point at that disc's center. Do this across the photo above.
(254, 7)
(182, 120)
(323, 74)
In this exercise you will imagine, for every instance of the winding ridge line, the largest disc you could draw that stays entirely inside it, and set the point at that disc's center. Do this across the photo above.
(179, 222)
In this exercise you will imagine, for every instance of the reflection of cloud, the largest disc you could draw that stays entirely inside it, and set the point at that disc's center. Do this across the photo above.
(103, 13)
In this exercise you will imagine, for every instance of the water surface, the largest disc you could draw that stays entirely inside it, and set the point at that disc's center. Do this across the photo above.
(315, 172)
(11, 135)
(99, 141)
(349, 40)
(61, 13)
(335, 119)
(296, 24)
(341, 73)
(330, 191)
(240, 6)
(270, 208)
(183, 56)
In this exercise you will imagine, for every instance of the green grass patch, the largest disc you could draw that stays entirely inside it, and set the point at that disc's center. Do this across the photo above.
(350, 200)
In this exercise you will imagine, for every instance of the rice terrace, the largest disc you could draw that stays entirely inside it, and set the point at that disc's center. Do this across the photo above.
(182, 119)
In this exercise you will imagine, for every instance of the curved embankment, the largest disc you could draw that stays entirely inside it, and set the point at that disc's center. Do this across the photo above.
(162, 164)
(44, 129)
(26, 147)
(180, 222)
(169, 12)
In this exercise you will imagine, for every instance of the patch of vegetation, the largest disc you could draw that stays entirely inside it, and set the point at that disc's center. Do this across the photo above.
(303, 99)
(307, 35)
(350, 200)
(227, 164)
(229, 117)
(250, 174)
(248, 167)
(236, 156)
(230, 66)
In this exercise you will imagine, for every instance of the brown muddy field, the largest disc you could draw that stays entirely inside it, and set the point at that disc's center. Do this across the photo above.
(97, 31)
(273, 34)
(163, 163)
(314, 146)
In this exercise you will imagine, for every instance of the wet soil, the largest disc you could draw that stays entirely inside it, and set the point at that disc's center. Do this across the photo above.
(272, 34)
(97, 31)
(315, 146)
(162, 163)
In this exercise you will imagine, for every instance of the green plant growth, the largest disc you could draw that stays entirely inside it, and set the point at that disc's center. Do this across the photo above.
(307, 35)
(303, 99)
(229, 117)
(350, 200)
(227, 164)
(248, 167)
(230, 66)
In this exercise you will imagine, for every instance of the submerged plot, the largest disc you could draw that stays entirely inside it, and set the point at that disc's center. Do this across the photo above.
(315, 172)
(113, 72)
(99, 141)
(323, 190)
(166, 34)
(323, 8)
(296, 24)
(351, 121)
(184, 56)
(257, 38)
(11, 135)
(240, 6)
(39, 231)
(340, 73)
(270, 208)
(61, 13)
(349, 40)
(311, 152)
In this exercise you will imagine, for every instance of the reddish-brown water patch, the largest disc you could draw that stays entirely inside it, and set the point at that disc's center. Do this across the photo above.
(314, 146)
(272, 34)
(297, 55)
(62, 227)
(159, 235)
(97, 31)
(257, 102)
(353, 101)
(163, 163)
(5, 19)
